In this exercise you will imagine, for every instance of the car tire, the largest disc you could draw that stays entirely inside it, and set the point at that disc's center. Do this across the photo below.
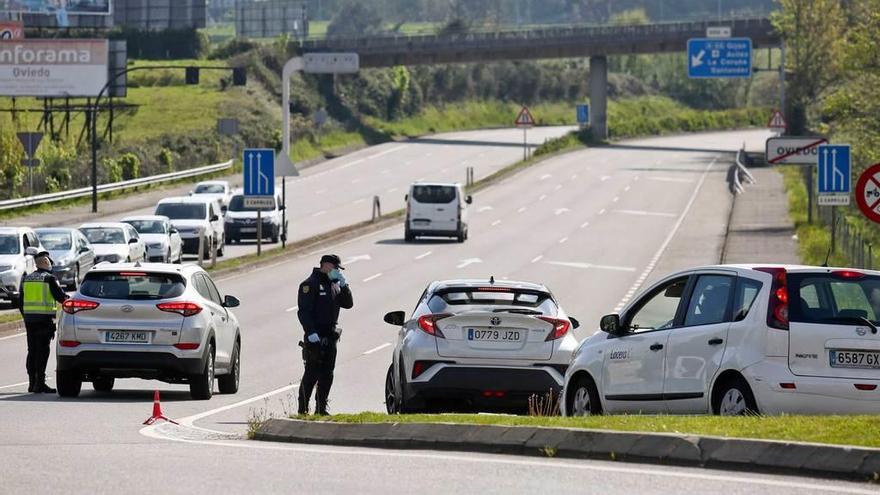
(734, 397)
(583, 398)
(228, 384)
(201, 386)
(75, 284)
(103, 384)
(69, 383)
(392, 401)
(408, 236)
(220, 249)
(460, 237)
(275, 235)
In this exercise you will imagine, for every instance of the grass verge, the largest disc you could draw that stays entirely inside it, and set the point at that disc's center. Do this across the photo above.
(863, 431)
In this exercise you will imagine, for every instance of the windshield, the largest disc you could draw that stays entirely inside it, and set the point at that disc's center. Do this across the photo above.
(453, 300)
(55, 241)
(182, 211)
(100, 235)
(434, 194)
(9, 244)
(148, 226)
(131, 285)
(237, 204)
(834, 298)
(210, 189)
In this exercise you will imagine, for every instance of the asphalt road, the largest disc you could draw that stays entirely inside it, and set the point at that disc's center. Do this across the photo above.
(594, 226)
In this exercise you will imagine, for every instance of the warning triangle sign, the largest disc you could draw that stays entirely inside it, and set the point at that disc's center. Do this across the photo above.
(524, 119)
(777, 121)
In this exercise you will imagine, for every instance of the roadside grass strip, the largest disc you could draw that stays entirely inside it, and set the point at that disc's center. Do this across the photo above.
(861, 431)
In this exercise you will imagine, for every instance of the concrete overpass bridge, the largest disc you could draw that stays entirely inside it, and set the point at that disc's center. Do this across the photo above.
(596, 42)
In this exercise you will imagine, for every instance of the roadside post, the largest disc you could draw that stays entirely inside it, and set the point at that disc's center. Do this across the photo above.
(201, 255)
(259, 185)
(525, 121)
(30, 141)
(310, 63)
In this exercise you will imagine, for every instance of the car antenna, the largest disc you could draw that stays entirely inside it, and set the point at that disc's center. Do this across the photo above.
(830, 245)
(492, 280)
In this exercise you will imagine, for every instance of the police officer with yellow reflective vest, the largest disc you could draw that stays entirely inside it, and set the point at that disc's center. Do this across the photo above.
(40, 295)
(320, 298)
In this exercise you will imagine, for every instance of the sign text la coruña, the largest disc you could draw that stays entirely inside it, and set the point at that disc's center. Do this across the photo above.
(53, 68)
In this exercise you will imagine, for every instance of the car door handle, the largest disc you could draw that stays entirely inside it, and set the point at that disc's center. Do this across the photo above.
(716, 341)
(656, 347)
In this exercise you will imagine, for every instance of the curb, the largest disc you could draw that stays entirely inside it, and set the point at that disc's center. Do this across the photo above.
(11, 328)
(810, 459)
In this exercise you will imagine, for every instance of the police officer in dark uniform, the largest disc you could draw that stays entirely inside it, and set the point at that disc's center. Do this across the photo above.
(39, 296)
(320, 298)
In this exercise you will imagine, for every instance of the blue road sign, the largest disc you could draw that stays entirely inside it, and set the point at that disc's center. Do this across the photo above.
(719, 57)
(259, 172)
(583, 113)
(834, 172)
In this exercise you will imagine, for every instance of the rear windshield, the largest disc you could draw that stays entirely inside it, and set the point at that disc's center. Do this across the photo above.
(237, 204)
(434, 194)
(132, 285)
(455, 299)
(182, 211)
(100, 235)
(148, 226)
(833, 298)
(55, 241)
(9, 244)
(210, 189)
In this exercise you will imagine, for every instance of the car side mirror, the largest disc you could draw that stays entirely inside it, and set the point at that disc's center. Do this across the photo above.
(469, 200)
(31, 251)
(132, 241)
(214, 218)
(83, 249)
(406, 198)
(173, 231)
(231, 302)
(574, 323)
(282, 208)
(395, 318)
(611, 324)
(191, 193)
(224, 209)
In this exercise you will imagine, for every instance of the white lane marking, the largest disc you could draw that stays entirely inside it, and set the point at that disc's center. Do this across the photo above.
(393, 189)
(428, 154)
(546, 176)
(522, 209)
(602, 211)
(496, 222)
(424, 255)
(468, 262)
(484, 208)
(355, 259)
(586, 266)
(563, 240)
(318, 214)
(575, 176)
(370, 278)
(558, 187)
(377, 349)
(13, 385)
(605, 177)
(359, 201)
(156, 431)
(656, 259)
(643, 213)
(636, 178)
(537, 258)
(560, 211)
(627, 188)
(585, 225)
(616, 199)
(670, 179)
(355, 181)
(13, 336)
(543, 197)
(388, 171)
(291, 309)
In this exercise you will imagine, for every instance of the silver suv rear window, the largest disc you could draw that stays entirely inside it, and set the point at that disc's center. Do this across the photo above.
(834, 298)
(132, 285)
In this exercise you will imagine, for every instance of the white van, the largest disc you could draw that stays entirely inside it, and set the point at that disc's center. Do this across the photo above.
(436, 210)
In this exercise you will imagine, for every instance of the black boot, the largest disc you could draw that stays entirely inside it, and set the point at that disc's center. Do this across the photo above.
(41, 388)
(302, 406)
(321, 408)
(32, 382)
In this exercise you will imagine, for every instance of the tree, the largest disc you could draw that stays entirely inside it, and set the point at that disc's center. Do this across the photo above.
(813, 31)
(355, 18)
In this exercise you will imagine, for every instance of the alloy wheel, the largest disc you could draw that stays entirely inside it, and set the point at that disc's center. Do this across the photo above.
(581, 404)
(733, 403)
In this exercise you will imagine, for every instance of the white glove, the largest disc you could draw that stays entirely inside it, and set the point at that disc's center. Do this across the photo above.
(313, 338)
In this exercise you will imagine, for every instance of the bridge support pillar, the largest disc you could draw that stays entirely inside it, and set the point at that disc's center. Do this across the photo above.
(599, 96)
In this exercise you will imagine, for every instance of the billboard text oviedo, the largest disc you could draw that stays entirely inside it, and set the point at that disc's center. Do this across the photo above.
(49, 68)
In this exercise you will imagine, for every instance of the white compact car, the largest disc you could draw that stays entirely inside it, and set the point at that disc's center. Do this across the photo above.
(15, 262)
(241, 221)
(114, 242)
(478, 345)
(150, 321)
(163, 241)
(218, 190)
(190, 215)
(436, 210)
(737, 339)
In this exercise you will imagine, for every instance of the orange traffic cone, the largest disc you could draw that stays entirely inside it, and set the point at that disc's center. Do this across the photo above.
(157, 411)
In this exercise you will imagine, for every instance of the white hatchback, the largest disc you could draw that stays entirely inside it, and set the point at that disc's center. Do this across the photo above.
(737, 339)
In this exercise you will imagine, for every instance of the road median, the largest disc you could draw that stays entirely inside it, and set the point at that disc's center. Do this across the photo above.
(813, 459)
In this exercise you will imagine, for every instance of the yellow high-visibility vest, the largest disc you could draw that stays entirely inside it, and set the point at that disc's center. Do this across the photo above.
(37, 298)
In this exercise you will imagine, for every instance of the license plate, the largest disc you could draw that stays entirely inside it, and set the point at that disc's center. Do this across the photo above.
(248, 229)
(127, 337)
(421, 222)
(855, 359)
(481, 335)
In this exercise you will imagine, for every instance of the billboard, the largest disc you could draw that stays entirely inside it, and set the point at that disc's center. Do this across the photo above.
(70, 7)
(10, 30)
(53, 68)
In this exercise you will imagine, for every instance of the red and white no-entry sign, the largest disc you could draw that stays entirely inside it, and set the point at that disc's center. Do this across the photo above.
(868, 193)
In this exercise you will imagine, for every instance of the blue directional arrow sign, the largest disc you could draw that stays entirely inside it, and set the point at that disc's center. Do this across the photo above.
(719, 58)
(834, 174)
(259, 172)
(583, 114)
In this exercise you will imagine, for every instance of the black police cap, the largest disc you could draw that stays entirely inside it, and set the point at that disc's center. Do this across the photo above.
(332, 259)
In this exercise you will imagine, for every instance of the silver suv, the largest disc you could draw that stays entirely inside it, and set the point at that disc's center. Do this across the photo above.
(15, 262)
(152, 321)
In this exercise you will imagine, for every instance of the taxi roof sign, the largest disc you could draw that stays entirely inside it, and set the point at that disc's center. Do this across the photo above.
(524, 120)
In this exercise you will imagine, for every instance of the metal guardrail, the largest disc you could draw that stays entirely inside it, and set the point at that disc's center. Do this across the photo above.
(741, 172)
(115, 186)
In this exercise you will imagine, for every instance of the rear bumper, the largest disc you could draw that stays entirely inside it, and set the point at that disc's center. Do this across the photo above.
(119, 364)
(485, 387)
